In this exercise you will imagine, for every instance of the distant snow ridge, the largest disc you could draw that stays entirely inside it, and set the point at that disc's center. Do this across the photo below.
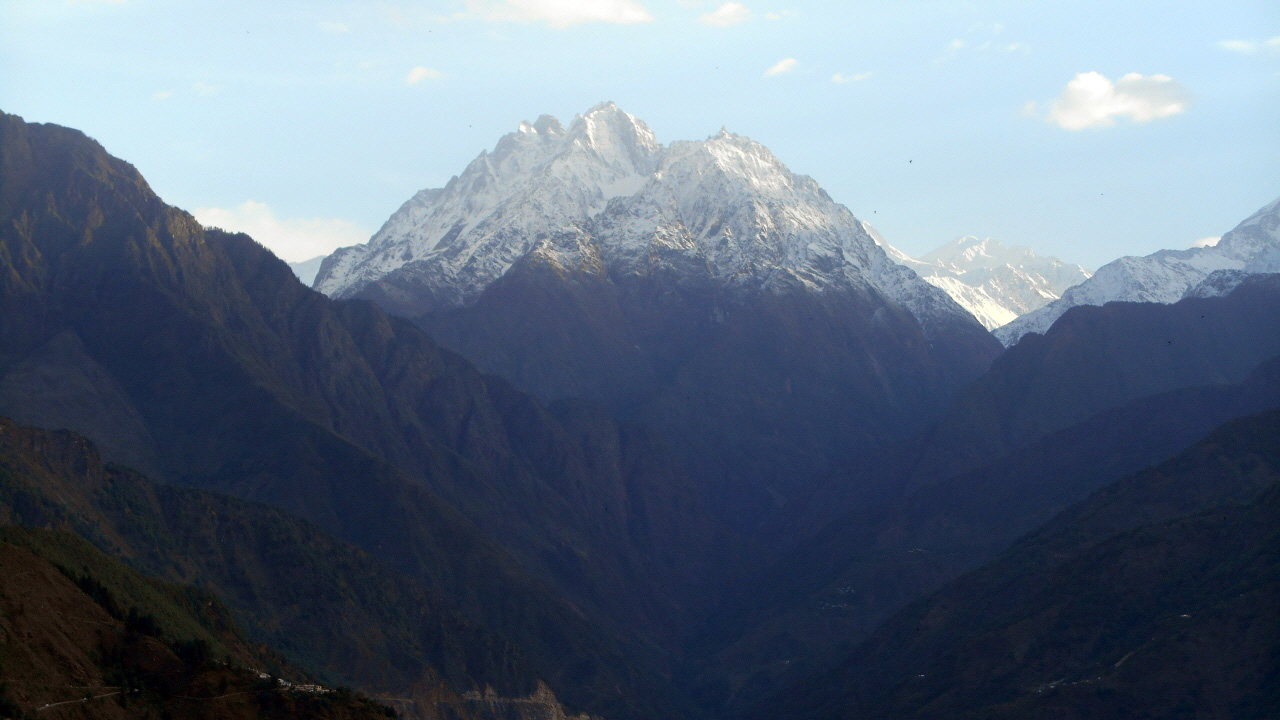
(604, 196)
(994, 282)
(1168, 275)
(306, 269)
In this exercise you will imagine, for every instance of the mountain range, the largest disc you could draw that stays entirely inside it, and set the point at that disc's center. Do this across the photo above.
(701, 289)
(994, 282)
(197, 357)
(1166, 276)
(620, 429)
(1022, 443)
(1154, 597)
(524, 325)
(604, 195)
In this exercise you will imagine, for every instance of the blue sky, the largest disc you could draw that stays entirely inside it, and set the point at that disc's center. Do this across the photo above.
(1087, 130)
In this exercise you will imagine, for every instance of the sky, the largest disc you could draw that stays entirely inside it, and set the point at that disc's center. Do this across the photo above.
(1086, 130)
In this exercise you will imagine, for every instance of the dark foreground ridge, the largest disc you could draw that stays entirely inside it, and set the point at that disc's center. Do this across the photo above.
(1154, 598)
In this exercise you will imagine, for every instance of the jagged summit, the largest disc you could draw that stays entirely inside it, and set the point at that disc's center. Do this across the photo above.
(618, 138)
(544, 124)
(603, 196)
(542, 178)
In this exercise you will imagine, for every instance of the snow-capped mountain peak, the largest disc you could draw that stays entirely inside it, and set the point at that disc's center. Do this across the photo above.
(994, 282)
(1258, 235)
(602, 195)
(541, 177)
(617, 138)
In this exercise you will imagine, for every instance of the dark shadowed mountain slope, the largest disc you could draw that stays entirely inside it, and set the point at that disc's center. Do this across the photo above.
(837, 586)
(760, 392)
(86, 637)
(328, 606)
(324, 605)
(1096, 358)
(1154, 598)
(199, 356)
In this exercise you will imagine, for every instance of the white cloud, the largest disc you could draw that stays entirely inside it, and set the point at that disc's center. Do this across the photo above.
(560, 13)
(785, 65)
(420, 73)
(334, 27)
(1240, 46)
(957, 45)
(1206, 242)
(1091, 100)
(841, 78)
(986, 41)
(730, 13)
(1029, 110)
(161, 95)
(204, 89)
(1249, 47)
(292, 239)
